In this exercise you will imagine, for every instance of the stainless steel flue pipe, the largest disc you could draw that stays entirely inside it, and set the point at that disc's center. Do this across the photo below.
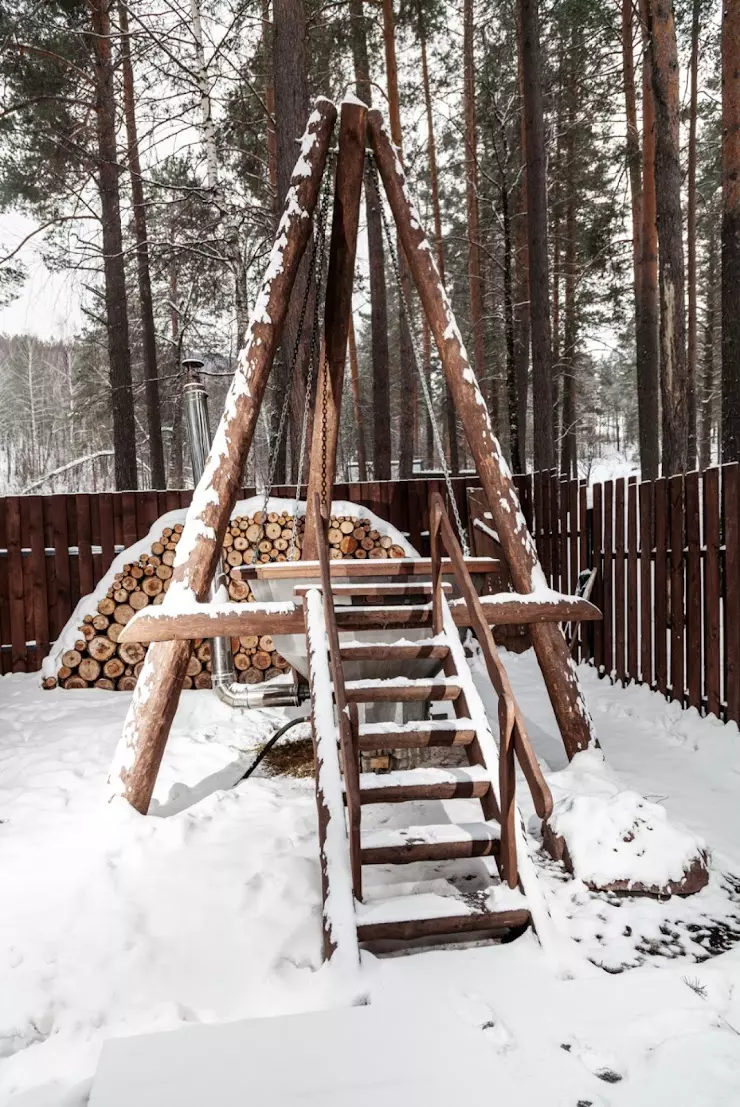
(273, 694)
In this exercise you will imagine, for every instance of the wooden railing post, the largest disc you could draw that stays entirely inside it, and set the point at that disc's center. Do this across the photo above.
(157, 693)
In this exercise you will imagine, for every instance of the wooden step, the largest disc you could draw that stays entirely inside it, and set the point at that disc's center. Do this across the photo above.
(393, 651)
(446, 842)
(415, 735)
(428, 783)
(382, 567)
(401, 690)
(428, 914)
(393, 588)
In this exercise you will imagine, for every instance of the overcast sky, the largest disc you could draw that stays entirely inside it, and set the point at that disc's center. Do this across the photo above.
(49, 303)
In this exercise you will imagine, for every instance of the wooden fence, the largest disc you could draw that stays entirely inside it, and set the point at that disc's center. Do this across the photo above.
(667, 555)
(55, 549)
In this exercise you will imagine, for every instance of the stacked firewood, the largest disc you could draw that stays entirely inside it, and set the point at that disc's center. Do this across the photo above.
(99, 660)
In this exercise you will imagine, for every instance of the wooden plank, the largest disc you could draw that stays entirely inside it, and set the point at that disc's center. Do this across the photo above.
(633, 598)
(646, 583)
(5, 658)
(538, 531)
(584, 639)
(731, 505)
(693, 590)
(564, 540)
(660, 493)
(608, 601)
(555, 530)
(573, 538)
(38, 599)
(408, 930)
(619, 592)
(29, 629)
(128, 510)
(15, 585)
(397, 567)
(675, 497)
(597, 562)
(712, 591)
(237, 620)
(84, 555)
(107, 529)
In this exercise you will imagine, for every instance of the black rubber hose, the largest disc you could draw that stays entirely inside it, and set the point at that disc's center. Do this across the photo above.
(269, 744)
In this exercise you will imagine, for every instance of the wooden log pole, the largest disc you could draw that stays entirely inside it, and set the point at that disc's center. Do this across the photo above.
(337, 314)
(155, 699)
(521, 554)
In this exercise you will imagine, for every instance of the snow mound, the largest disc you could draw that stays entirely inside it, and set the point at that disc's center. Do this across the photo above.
(614, 836)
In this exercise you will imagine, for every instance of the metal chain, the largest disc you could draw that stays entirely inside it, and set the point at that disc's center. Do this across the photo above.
(462, 533)
(317, 248)
(312, 366)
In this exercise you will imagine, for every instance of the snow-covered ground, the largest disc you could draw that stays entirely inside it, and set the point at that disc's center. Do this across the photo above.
(112, 924)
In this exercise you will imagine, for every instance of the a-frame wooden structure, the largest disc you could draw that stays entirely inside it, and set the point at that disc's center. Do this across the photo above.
(156, 696)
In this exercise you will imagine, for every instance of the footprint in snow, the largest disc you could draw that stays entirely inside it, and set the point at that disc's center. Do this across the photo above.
(602, 1065)
(478, 1012)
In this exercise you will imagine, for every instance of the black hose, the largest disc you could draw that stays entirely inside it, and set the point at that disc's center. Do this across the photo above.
(268, 746)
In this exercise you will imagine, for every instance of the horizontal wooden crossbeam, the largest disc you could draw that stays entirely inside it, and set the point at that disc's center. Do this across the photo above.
(372, 567)
(239, 620)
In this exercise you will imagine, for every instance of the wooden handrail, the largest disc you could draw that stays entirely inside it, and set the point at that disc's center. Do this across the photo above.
(347, 725)
(441, 531)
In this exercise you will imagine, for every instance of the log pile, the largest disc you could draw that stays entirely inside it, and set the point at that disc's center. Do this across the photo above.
(98, 660)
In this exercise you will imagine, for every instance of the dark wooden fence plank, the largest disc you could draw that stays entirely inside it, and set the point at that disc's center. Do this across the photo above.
(608, 595)
(693, 590)
(5, 658)
(661, 584)
(564, 524)
(619, 593)
(633, 598)
(675, 496)
(15, 585)
(646, 583)
(597, 563)
(555, 528)
(712, 592)
(84, 545)
(107, 529)
(59, 540)
(35, 577)
(128, 510)
(730, 492)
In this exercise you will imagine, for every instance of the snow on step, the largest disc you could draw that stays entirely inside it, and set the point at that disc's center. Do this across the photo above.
(430, 640)
(431, 835)
(400, 682)
(431, 725)
(427, 774)
(434, 899)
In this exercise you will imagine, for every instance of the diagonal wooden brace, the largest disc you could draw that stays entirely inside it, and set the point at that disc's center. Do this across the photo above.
(157, 693)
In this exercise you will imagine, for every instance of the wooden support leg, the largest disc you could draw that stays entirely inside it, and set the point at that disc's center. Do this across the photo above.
(550, 646)
(337, 315)
(153, 707)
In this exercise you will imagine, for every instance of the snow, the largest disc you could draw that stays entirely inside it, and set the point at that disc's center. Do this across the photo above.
(116, 925)
(404, 778)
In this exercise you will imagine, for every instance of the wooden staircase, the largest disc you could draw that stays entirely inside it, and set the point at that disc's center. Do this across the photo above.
(436, 908)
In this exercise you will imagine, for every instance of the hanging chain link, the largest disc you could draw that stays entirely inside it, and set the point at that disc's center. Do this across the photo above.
(462, 533)
(316, 252)
(312, 364)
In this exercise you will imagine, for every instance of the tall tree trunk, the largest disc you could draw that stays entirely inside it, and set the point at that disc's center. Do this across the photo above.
(691, 356)
(270, 107)
(556, 211)
(376, 263)
(451, 414)
(707, 389)
(730, 230)
(354, 373)
(475, 269)
(569, 462)
(648, 348)
(517, 461)
(177, 479)
(119, 355)
(291, 113)
(405, 352)
(521, 272)
(539, 284)
(673, 374)
(148, 333)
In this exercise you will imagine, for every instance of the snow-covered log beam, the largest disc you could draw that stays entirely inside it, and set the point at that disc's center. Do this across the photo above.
(156, 696)
(550, 646)
(240, 620)
(337, 312)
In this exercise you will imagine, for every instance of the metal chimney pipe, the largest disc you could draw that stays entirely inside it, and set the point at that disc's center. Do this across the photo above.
(195, 402)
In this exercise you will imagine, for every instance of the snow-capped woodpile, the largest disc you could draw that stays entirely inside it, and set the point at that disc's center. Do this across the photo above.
(97, 658)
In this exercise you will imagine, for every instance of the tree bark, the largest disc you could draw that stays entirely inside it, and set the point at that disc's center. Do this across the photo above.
(710, 322)
(270, 107)
(376, 264)
(405, 351)
(673, 374)
(177, 479)
(451, 416)
(691, 355)
(517, 461)
(475, 269)
(539, 284)
(119, 356)
(569, 461)
(148, 333)
(730, 230)
(648, 348)
(290, 81)
(521, 273)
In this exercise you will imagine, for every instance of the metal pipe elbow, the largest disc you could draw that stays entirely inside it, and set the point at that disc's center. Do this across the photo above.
(252, 697)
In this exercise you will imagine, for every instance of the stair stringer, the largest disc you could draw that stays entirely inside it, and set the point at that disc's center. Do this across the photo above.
(339, 917)
(560, 948)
